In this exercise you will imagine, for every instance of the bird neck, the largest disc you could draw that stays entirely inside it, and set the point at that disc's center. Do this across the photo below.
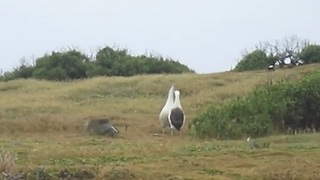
(170, 100)
(177, 102)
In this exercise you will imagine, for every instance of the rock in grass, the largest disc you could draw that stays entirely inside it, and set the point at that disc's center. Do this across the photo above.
(102, 127)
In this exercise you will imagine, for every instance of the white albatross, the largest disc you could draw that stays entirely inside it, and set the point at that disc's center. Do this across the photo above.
(163, 117)
(176, 115)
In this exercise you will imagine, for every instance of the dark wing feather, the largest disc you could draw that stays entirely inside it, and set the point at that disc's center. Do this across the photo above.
(176, 118)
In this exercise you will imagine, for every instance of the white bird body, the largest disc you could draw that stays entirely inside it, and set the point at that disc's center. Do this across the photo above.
(176, 115)
(248, 139)
(163, 117)
(271, 67)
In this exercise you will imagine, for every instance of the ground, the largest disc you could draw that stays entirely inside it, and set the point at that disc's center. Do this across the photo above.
(42, 131)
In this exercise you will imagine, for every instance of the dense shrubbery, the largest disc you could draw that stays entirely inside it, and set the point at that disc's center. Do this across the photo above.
(73, 64)
(266, 110)
(255, 60)
(297, 51)
(310, 54)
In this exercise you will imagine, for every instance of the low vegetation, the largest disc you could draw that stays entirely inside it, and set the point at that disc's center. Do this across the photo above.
(289, 52)
(42, 128)
(72, 64)
(269, 109)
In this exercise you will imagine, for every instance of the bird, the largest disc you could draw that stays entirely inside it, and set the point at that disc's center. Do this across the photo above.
(163, 116)
(176, 115)
(271, 67)
(102, 126)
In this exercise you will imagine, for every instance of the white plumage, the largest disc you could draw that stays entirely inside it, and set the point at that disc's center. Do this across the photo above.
(163, 117)
(271, 67)
(176, 115)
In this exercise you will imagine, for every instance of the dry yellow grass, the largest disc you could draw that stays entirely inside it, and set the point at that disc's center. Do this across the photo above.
(43, 123)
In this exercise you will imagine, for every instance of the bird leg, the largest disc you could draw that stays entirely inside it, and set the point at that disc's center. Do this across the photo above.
(171, 132)
(162, 130)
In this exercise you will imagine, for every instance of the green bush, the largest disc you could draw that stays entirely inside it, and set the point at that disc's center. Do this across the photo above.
(72, 64)
(61, 66)
(310, 54)
(268, 109)
(253, 61)
(267, 53)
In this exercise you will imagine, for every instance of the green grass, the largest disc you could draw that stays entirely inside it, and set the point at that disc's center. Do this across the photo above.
(42, 123)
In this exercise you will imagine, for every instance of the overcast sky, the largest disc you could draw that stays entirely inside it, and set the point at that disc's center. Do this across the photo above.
(206, 35)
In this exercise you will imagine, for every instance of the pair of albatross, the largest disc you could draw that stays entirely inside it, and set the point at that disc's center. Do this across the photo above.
(172, 114)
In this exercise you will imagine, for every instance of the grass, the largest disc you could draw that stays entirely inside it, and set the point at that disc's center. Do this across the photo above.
(42, 126)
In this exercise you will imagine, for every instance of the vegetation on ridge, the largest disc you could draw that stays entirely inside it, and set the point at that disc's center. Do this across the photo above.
(289, 52)
(268, 109)
(72, 65)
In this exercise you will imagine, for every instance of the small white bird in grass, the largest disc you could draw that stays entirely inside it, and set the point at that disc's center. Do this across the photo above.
(163, 116)
(176, 115)
(248, 139)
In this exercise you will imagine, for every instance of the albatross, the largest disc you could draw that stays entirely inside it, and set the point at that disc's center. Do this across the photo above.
(163, 116)
(176, 115)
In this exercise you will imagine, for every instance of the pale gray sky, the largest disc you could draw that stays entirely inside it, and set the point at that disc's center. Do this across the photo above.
(207, 35)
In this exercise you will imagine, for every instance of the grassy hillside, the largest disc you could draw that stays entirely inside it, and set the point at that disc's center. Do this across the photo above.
(43, 123)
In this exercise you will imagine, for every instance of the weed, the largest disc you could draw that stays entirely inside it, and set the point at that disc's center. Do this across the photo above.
(6, 161)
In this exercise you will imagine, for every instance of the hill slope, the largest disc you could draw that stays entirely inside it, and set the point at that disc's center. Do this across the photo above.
(47, 120)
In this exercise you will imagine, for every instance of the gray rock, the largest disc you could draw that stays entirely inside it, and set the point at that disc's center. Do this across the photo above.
(101, 127)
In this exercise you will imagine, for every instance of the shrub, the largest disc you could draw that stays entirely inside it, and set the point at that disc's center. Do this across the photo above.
(293, 49)
(72, 64)
(61, 66)
(266, 110)
(253, 61)
(310, 54)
